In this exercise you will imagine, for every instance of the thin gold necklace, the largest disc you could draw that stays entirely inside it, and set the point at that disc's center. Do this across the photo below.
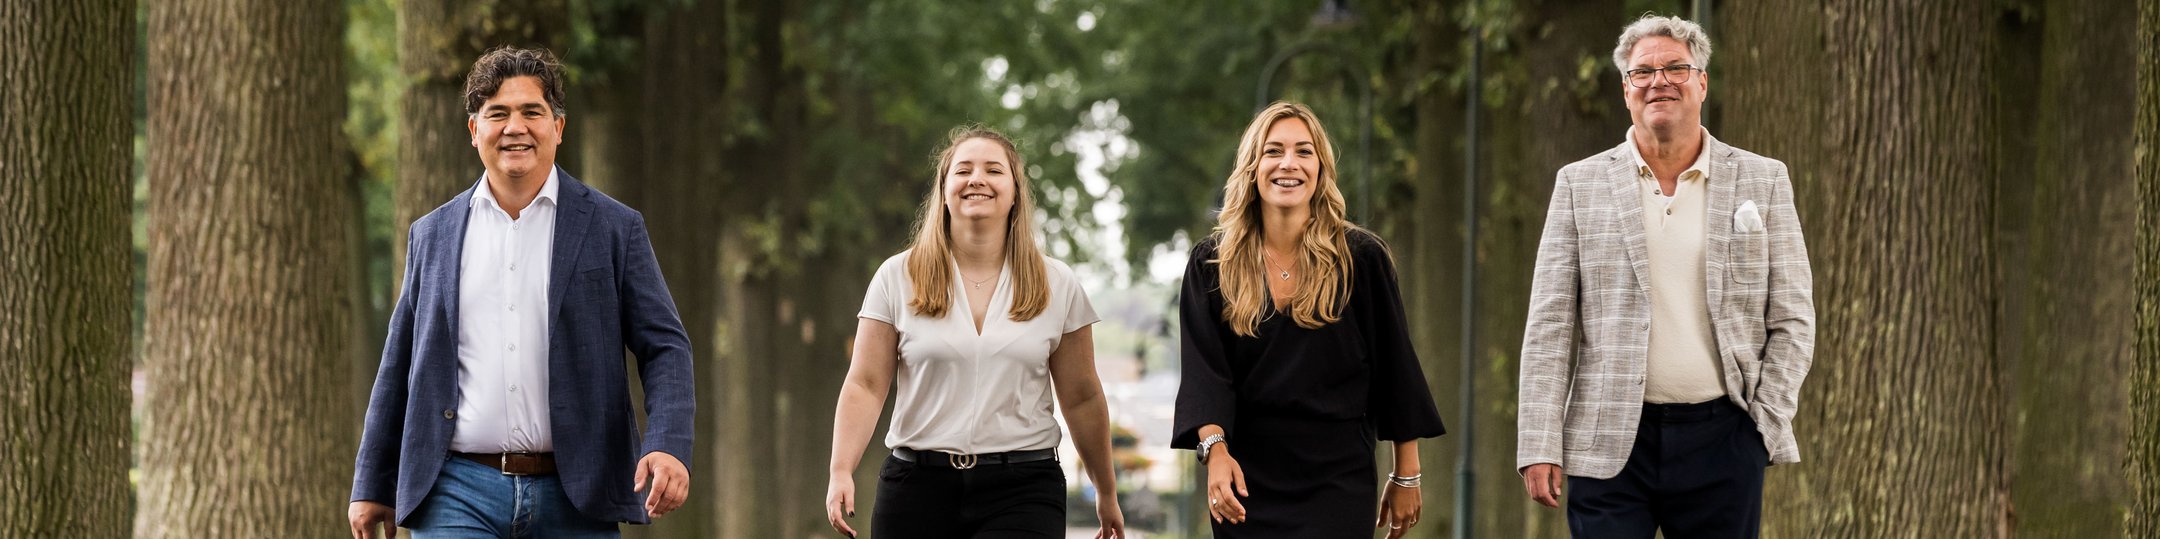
(1285, 274)
(978, 284)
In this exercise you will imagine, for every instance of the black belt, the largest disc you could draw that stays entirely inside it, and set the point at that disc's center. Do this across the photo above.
(1690, 412)
(955, 461)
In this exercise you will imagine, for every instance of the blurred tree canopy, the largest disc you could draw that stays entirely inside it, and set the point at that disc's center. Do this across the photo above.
(780, 150)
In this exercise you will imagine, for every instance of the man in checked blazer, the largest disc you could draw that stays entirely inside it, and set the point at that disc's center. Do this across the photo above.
(1672, 317)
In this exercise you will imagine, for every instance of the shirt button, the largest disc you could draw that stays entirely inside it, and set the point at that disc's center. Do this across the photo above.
(513, 388)
(449, 414)
(513, 267)
(1668, 211)
(513, 347)
(513, 307)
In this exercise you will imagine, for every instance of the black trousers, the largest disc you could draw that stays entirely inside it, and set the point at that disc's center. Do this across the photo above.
(989, 501)
(1696, 470)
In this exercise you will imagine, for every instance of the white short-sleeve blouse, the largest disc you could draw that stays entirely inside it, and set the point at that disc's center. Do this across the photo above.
(969, 393)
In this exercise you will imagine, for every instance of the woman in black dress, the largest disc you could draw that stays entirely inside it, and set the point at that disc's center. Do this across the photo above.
(1296, 355)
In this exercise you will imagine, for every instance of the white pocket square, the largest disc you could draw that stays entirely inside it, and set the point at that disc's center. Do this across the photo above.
(1747, 219)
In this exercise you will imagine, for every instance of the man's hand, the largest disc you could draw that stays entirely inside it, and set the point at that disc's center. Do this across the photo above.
(370, 520)
(1543, 481)
(670, 484)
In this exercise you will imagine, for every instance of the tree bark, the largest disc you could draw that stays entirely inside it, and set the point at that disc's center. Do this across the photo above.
(673, 174)
(1425, 229)
(1571, 109)
(1877, 108)
(252, 302)
(2144, 460)
(438, 41)
(66, 133)
(2065, 196)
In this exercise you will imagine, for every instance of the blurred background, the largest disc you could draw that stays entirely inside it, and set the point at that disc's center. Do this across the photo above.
(206, 200)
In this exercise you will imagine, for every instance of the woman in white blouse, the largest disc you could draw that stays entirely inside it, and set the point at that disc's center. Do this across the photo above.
(976, 327)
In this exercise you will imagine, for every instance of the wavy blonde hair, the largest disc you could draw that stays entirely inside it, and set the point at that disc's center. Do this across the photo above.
(929, 262)
(1324, 246)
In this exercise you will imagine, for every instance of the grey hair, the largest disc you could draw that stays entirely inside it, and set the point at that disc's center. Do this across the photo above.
(1682, 30)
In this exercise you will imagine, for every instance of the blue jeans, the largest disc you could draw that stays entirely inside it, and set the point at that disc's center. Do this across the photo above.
(471, 499)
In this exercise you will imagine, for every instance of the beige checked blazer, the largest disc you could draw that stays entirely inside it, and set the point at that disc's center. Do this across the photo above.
(1583, 357)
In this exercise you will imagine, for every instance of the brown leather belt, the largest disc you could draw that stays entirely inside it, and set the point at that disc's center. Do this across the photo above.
(514, 463)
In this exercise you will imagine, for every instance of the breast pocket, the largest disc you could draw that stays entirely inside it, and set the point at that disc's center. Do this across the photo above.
(593, 285)
(1750, 261)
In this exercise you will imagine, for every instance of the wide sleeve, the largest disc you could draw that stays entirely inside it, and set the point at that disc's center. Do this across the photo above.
(1549, 334)
(1401, 405)
(375, 469)
(1207, 393)
(654, 334)
(1789, 322)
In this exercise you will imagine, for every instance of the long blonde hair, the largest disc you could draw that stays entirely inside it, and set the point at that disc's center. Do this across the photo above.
(1324, 247)
(929, 263)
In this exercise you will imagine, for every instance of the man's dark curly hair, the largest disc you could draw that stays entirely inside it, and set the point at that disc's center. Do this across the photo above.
(506, 62)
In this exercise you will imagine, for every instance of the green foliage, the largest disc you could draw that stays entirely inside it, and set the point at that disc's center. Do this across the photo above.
(1133, 102)
(374, 83)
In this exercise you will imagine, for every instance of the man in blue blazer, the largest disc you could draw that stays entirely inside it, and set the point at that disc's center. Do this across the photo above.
(503, 405)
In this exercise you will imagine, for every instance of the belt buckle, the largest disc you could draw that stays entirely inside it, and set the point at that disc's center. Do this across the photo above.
(505, 467)
(961, 462)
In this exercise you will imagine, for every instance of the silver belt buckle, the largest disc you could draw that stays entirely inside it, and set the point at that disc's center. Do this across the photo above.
(505, 467)
(961, 462)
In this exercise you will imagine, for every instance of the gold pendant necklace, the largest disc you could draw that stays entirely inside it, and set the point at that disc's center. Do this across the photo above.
(1285, 274)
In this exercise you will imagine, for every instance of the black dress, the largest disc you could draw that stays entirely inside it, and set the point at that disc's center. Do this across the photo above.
(1301, 408)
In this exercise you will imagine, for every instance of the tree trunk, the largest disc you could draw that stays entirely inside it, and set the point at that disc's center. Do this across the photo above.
(66, 130)
(669, 138)
(1425, 229)
(252, 303)
(2065, 196)
(1570, 109)
(1903, 421)
(2144, 461)
(438, 41)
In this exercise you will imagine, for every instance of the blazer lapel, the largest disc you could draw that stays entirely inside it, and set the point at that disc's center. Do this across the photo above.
(449, 262)
(573, 214)
(1627, 197)
(1717, 251)
(1717, 220)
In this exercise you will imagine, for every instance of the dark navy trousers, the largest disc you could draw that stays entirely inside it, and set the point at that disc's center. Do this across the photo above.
(1696, 471)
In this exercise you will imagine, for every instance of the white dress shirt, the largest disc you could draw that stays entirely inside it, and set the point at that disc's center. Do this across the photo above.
(502, 336)
(963, 392)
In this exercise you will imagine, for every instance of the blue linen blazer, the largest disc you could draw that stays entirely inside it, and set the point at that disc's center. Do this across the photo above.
(605, 295)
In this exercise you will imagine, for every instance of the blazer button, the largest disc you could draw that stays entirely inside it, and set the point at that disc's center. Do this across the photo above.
(449, 414)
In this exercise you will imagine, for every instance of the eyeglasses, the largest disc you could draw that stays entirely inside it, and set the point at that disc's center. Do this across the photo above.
(1642, 77)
